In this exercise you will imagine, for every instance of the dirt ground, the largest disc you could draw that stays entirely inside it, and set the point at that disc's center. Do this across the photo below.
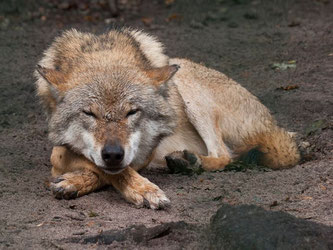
(244, 40)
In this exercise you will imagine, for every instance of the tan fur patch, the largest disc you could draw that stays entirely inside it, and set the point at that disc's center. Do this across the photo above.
(212, 163)
(137, 189)
(163, 74)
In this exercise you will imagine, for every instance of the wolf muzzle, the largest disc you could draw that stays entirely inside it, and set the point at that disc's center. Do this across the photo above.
(113, 154)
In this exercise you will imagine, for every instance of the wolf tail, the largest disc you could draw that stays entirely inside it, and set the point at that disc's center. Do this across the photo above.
(278, 149)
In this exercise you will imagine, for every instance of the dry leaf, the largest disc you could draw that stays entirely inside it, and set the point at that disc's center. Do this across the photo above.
(322, 187)
(147, 20)
(174, 17)
(246, 74)
(306, 198)
(89, 18)
(168, 2)
(90, 223)
(289, 87)
(47, 184)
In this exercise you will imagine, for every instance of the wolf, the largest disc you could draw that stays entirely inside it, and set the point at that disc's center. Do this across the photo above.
(116, 103)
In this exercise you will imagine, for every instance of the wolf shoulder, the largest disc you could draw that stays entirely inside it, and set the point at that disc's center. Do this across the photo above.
(200, 84)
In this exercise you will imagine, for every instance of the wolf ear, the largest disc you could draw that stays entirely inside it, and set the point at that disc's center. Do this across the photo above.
(52, 76)
(162, 74)
(55, 79)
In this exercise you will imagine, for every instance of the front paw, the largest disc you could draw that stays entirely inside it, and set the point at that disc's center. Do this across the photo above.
(184, 162)
(147, 194)
(139, 190)
(155, 198)
(74, 184)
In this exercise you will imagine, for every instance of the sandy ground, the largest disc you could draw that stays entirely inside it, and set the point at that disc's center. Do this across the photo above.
(241, 39)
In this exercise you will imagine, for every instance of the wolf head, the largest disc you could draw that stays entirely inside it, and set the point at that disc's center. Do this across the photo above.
(107, 96)
(114, 118)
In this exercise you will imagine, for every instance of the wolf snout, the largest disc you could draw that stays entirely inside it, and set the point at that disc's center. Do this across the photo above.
(112, 154)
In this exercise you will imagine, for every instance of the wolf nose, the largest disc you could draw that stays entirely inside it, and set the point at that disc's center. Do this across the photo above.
(112, 154)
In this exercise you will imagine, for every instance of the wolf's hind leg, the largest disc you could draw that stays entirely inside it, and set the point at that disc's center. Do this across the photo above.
(218, 153)
(186, 160)
(208, 126)
(74, 175)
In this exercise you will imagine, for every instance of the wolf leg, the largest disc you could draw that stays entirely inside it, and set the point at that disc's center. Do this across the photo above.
(138, 190)
(74, 176)
(75, 184)
(189, 162)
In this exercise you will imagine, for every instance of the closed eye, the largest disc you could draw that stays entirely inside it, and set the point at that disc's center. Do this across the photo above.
(132, 112)
(89, 113)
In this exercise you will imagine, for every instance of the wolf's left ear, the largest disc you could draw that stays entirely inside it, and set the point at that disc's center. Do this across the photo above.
(162, 74)
(52, 76)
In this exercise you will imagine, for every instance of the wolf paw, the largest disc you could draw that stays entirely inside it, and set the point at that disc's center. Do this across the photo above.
(184, 162)
(74, 184)
(146, 194)
(156, 199)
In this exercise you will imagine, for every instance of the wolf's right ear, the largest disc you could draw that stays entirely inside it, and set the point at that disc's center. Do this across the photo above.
(55, 79)
(52, 76)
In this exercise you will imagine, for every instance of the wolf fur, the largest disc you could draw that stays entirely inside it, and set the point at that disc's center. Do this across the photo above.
(119, 88)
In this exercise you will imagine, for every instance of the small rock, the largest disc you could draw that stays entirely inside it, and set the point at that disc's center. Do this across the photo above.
(294, 23)
(110, 20)
(304, 144)
(56, 218)
(252, 227)
(273, 204)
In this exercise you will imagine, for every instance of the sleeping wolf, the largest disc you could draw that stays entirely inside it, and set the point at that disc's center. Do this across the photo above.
(116, 103)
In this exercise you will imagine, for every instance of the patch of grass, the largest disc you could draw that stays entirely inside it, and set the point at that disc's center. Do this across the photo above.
(92, 214)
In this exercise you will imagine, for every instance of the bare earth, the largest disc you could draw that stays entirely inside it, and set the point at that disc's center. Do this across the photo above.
(241, 40)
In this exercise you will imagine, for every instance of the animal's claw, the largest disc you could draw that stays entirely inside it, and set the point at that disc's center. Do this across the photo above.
(63, 190)
(156, 200)
(184, 162)
(74, 184)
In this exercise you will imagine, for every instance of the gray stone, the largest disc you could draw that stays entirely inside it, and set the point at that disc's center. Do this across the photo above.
(251, 227)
